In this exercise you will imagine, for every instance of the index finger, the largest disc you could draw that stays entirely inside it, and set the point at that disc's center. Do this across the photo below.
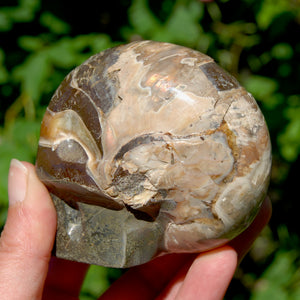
(64, 279)
(146, 281)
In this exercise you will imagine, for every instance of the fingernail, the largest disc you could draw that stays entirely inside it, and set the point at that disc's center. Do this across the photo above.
(17, 182)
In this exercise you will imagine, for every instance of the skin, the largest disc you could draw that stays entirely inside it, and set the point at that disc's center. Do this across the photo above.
(28, 271)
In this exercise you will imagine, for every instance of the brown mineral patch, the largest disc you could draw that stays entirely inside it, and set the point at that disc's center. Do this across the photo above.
(249, 155)
(235, 150)
(46, 128)
(216, 223)
(231, 138)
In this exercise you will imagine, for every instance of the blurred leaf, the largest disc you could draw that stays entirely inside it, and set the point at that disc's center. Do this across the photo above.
(24, 12)
(183, 19)
(30, 43)
(63, 53)
(276, 280)
(289, 139)
(142, 19)
(239, 32)
(3, 71)
(70, 52)
(264, 245)
(269, 10)
(32, 74)
(5, 22)
(282, 268)
(285, 69)
(54, 24)
(235, 37)
(214, 11)
(268, 290)
(295, 295)
(95, 283)
(181, 27)
(286, 239)
(282, 51)
(24, 134)
(262, 88)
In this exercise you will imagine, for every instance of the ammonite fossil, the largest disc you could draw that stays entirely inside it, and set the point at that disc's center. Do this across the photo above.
(151, 148)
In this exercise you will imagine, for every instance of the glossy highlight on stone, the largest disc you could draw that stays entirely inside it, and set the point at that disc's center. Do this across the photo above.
(151, 148)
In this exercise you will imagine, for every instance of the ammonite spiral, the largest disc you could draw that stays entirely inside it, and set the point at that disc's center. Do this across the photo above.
(151, 148)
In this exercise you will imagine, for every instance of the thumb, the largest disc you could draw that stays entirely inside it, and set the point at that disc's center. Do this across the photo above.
(28, 236)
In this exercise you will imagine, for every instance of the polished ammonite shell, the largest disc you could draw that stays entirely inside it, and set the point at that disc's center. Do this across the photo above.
(151, 148)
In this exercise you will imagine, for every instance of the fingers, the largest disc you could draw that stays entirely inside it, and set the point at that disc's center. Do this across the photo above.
(64, 279)
(146, 281)
(27, 239)
(207, 278)
(244, 241)
(183, 286)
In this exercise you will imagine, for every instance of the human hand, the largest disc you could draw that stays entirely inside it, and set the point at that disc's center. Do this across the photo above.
(189, 276)
(27, 240)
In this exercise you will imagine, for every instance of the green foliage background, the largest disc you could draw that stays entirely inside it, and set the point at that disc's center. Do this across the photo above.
(255, 40)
